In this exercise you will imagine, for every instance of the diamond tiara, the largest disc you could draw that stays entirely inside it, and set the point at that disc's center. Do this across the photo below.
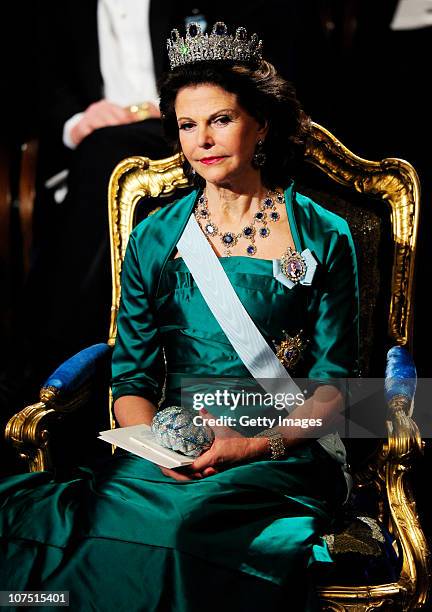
(218, 45)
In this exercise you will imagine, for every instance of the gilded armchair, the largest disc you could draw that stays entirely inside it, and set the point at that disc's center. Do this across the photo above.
(380, 201)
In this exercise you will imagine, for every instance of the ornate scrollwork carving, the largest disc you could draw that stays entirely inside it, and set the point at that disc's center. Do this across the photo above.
(384, 605)
(28, 430)
(133, 179)
(394, 181)
(404, 446)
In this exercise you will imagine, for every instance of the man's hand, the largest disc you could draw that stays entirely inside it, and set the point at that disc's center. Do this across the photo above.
(153, 111)
(146, 110)
(98, 115)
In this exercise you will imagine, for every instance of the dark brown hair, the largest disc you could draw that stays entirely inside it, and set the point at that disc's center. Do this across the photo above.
(261, 92)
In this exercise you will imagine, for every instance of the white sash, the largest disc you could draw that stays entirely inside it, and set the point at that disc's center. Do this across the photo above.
(223, 301)
(241, 331)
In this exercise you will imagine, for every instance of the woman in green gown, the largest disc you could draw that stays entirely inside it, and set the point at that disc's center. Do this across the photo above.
(241, 528)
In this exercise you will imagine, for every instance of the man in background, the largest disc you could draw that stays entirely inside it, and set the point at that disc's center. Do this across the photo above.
(98, 60)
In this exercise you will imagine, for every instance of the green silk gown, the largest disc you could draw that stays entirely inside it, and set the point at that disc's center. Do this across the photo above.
(126, 537)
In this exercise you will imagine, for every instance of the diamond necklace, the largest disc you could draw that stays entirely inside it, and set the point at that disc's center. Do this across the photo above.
(267, 210)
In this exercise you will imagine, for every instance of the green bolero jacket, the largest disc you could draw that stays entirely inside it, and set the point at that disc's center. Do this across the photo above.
(166, 330)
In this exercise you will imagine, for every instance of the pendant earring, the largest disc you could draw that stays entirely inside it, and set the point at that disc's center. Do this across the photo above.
(259, 158)
(191, 175)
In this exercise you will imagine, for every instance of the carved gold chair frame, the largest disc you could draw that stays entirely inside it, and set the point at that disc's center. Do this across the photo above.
(392, 180)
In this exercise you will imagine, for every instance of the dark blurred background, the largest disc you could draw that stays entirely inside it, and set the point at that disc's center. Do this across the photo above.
(359, 70)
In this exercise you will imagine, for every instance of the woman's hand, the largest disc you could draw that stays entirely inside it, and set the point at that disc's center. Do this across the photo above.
(176, 474)
(229, 448)
(225, 452)
(185, 473)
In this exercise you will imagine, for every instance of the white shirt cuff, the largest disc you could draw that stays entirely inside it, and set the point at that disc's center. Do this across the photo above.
(67, 128)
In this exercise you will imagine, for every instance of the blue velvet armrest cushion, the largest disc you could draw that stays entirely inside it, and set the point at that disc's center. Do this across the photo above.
(77, 370)
(401, 374)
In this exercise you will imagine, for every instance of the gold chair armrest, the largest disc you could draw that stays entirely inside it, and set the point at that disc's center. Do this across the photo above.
(28, 430)
(404, 440)
(404, 446)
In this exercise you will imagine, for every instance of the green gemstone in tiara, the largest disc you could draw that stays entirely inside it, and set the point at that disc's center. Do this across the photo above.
(219, 45)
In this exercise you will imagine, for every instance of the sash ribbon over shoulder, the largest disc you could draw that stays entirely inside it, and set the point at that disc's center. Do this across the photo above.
(241, 331)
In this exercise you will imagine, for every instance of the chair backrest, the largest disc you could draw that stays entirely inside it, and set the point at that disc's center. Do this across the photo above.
(380, 201)
(136, 180)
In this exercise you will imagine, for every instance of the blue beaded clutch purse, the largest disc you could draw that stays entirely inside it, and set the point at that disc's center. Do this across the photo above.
(174, 428)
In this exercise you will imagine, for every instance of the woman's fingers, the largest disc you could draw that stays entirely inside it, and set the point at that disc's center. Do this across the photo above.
(174, 474)
(197, 475)
(204, 461)
(227, 452)
(210, 471)
(193, 475)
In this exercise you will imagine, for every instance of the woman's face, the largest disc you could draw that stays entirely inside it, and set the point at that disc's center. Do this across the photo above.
(217, 136)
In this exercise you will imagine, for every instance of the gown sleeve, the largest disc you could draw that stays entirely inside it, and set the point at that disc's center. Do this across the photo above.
(137, 363)
(335, 335)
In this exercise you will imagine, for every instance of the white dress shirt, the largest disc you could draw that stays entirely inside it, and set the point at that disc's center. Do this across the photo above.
(126, 56)
(412, 15)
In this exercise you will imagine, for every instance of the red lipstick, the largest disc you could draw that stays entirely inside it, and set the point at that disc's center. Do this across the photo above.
(211, 160)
